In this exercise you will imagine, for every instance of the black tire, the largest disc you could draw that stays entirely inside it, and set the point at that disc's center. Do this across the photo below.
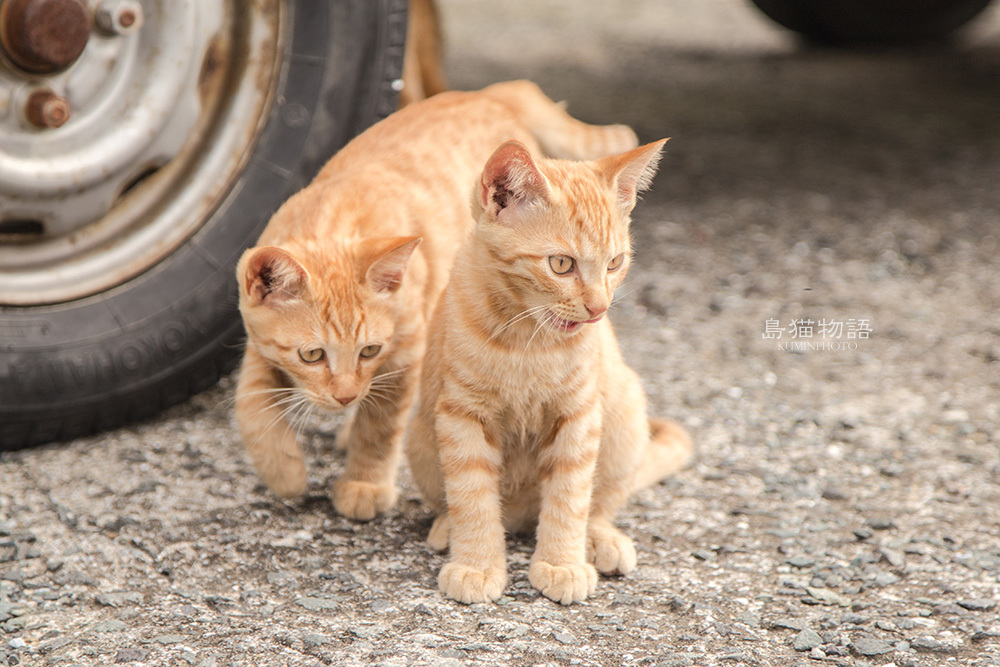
(871, 22)
(75, 368)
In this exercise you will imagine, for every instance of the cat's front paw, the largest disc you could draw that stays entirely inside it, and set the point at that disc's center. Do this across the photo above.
(362, 501)
(469, 585)
(611, 551)
(567, 583)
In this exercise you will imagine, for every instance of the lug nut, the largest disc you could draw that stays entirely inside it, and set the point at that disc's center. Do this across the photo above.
(46, 109)
(117, 17)
(44, 36)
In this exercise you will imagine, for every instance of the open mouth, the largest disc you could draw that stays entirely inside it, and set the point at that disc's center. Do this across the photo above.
(569, 326)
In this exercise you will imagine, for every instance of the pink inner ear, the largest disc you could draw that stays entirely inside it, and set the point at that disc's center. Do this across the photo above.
(273, 274)
(510, 177)
(385, 274)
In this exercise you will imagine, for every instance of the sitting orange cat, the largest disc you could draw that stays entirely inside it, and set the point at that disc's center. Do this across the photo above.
(527, 413)
(336, 296)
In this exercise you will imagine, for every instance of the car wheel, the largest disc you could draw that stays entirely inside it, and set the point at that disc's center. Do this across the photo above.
(143, 147)
(871, 21)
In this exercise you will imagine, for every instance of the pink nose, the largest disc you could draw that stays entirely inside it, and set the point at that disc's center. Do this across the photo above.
(344, 400)
(596, 310)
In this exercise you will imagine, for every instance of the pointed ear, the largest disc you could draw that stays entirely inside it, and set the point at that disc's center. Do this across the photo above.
(632, 172)
(510, 181)
(383, 261)
(272, 275)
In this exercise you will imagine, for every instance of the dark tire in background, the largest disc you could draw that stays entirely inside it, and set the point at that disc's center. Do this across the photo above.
(74, 367)
(871, 22)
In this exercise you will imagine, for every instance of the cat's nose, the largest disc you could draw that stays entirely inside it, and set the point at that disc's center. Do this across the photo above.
(345, 400)
(596, 309)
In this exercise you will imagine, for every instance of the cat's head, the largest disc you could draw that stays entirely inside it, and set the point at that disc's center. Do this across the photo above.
(557, 232)
(326, 320)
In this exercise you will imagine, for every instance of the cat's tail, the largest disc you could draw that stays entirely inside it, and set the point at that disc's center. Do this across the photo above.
(670, 449)
(559, 134)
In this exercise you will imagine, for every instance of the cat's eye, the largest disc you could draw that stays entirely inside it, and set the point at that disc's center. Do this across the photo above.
(616, 263)
(369, 351)
(311, 356)
(561, 264)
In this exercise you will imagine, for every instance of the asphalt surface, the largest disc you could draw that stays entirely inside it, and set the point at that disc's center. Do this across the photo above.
(844, 508)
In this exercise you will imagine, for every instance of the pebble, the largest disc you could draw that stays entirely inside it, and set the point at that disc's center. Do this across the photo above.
(112, 625)
(833, 493)
(380, 605)
(54, 645)
(892, 557)
(132, 654)
(566, 638)
(826, 596)
(978, 604)
(869, 646)
(119, 598)
(317, 604)
(927, 643)
(883, 579)
(313, 639)
(881, 523)
(801, 561)
(807, 640)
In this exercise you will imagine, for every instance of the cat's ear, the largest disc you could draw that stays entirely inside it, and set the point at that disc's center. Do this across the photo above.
(272, 275)
(510, 181)
(383, 261)
(633, 171)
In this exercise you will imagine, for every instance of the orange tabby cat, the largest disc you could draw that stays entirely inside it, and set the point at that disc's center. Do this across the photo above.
(527, 412)
(336, 296)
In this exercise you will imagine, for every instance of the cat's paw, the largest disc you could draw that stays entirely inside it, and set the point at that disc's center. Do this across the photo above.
(437, 538)
(288, 480)
(611, 551)
(469, 585)
(362, 501)
(567, 583)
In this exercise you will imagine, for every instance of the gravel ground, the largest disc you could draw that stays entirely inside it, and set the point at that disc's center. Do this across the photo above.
(845, 505)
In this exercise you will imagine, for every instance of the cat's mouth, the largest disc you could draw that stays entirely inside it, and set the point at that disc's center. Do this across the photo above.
(569, 326)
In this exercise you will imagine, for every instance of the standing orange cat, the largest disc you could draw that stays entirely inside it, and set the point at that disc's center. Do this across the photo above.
(527, 414)
(336, 296)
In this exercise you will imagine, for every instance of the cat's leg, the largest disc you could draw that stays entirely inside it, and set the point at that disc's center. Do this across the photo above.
(624, 441)
(559, 567)
(559, 134)
(425, 469)
(471, 464)
(368, 486)
(261, 403)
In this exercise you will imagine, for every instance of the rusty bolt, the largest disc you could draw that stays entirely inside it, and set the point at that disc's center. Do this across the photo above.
(116, 17)
(46, 109)
(44, 36)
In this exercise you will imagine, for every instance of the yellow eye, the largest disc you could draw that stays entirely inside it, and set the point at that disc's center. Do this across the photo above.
(616, 263)
(370, 351)
(311, 356)
(561, 264)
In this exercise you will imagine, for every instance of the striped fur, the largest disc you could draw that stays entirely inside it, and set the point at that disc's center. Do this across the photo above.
(525, 418)
(358, 259)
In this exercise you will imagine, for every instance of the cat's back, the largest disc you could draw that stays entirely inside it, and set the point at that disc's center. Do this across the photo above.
(450, 134)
